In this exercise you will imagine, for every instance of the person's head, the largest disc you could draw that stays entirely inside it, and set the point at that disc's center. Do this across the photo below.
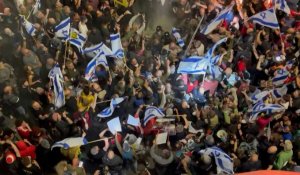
(272, 150)
(288, 146)
(228, 71)
(110, 154)
(6, 11)
(56, 117)
(254, 157)
(20, 123)
(86, 90)
(70, 65)
(165, 153)
(67, 10)
(26, 161)
(36, 105)
(8, 31)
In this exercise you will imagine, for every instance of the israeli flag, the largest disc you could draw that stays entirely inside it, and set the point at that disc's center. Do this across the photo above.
(59, 95)
(215, 22)
(101, 47)
(36, 6)
(280, 77)
(266, 108)
(210, 52)
(259, 96)
(266, 18)
(70, 143)
(107, 112)
(62, 30)
(177, 36)
(55, 71)
(282, 5)
(91, 67)
(223, 161)
(279, 92)
(29, 27)
(193, 65)
(116, 45)
(77, 39)
(152, 112)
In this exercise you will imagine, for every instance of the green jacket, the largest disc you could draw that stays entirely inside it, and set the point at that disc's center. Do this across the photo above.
(282, 159)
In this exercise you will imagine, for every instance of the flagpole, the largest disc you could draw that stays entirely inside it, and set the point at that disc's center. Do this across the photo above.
(105, 101)
(98, 140)
(193, 36)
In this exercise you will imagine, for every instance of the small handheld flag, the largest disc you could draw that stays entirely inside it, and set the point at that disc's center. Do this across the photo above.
(62, 30)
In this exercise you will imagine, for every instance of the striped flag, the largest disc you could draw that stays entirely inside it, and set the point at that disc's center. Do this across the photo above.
(107, 112)
(77, 39)
(266, 108)
(101, 47)
(62, 30)
(152, 112)
(280, 76)
(266, 18)
(116, 45)
(210, 52)
(59, 100)
(193, 65)
(55, 71)
(29, 27)
(215, 22)
(279, 92)
(223, 161)
(261, 96)
(177, 36)
(70, 142)
(282, 5)
(90, 69)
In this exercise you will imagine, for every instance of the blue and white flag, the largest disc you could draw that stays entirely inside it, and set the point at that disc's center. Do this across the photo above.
(36, 6)
(282, 5)
(177, 36)
(266, 108)
(152, 112)
(266, 18)
(70, 143)
(223, 161)
(77, 39)
(62, 30)
(55, 71)
(29, 27)
(279, 92)
(116, 45)
(260, 96)
(210, 52)
(280, 77)
(107, 112)
(59, 96)
(193, 65)
(91, 67)
(101, 47)
(215, 22)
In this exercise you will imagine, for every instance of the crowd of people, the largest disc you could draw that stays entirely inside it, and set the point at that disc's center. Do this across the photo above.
(201, 111)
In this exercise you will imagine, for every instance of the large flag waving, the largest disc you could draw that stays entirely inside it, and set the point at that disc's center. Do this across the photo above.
(266, 18)
(116, 45)
(215, 22)
(70, 142)
(223, 161)
(280, 77)
(97, 60)
(152, 112)
(107, 112)
(193, 65)
(267, 108)
(62, 30)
